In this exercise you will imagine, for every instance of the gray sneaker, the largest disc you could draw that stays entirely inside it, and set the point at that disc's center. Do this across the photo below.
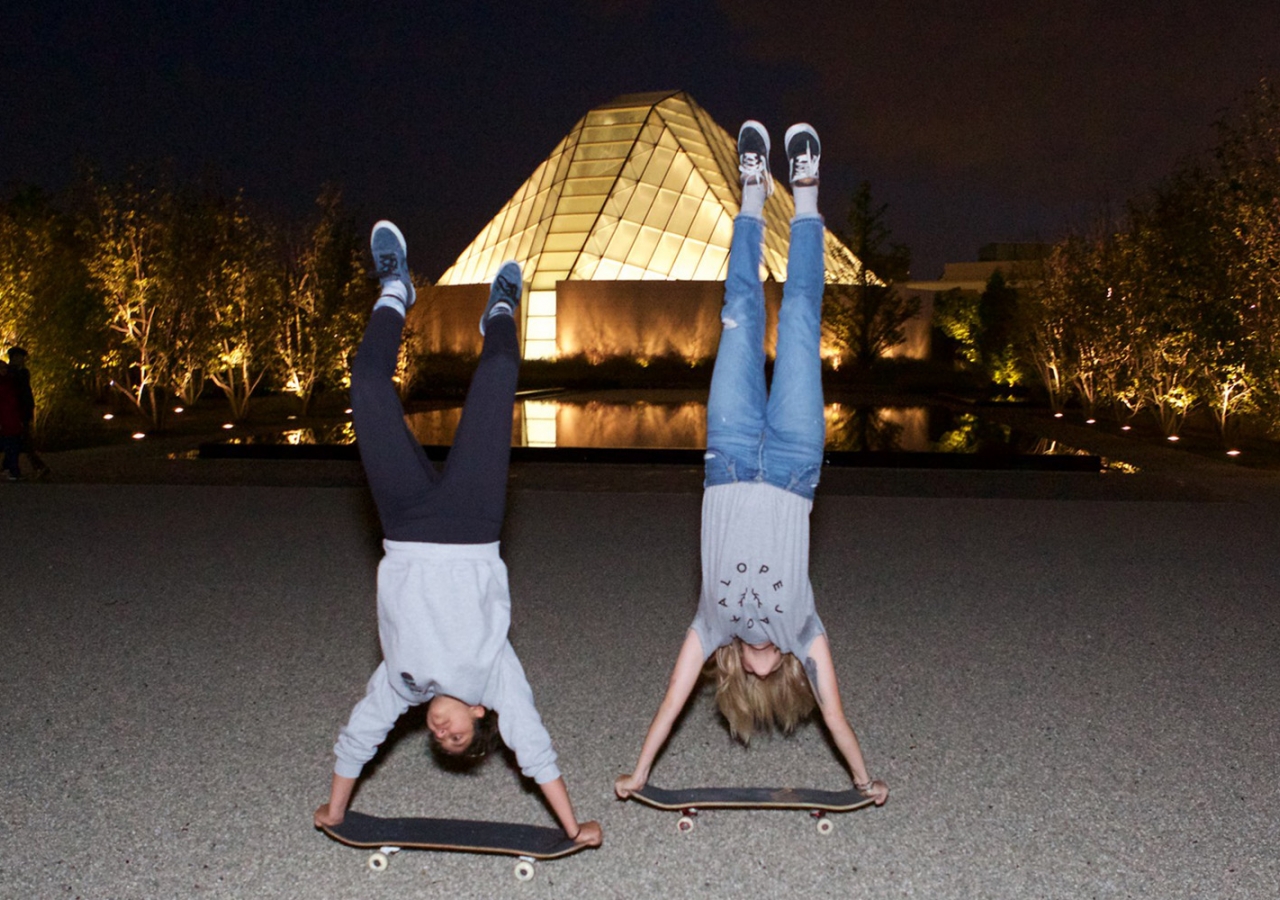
(753, 155)
(804, 150)
(390, 259)
(504, 292)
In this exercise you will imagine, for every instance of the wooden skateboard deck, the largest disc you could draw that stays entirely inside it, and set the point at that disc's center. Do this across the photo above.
(390, 835)
(688, 801)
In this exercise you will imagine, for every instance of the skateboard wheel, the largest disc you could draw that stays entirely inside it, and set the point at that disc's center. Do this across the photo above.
(378, 861)
(825, 825)
(524, 870)
(685, 825)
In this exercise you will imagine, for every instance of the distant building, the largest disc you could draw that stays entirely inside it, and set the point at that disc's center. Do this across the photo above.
(623, 233)
(1021, 264)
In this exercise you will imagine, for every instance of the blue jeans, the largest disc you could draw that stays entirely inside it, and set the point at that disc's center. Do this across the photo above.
(773, 435)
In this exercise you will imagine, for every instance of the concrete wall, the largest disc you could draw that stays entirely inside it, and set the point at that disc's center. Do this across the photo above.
(599, 319)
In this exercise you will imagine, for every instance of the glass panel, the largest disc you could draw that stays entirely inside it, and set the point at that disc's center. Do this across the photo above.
(542, 303)
(705, 221)
(623, 237)
(659, 161)
(588, 204)
(664, 256)
(682, 215)
(660, 212)
(540, 328)
(579, 222)
(711, 263)
(595, 186)
(560, 242)
(687, 259)
(539, 349)
(600, 133)
(559, 262)
(678, 175)
(608, 270)
(642, 249)
(641, 200)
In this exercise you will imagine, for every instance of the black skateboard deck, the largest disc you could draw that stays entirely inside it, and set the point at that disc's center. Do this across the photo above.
(390, 835)
(689, 800)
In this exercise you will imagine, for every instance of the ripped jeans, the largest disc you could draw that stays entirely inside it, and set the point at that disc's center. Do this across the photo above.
(774, 435)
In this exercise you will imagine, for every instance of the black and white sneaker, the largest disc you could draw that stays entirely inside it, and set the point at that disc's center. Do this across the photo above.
(391, 264)
(504, 292)
(753, 155)
(803, 153)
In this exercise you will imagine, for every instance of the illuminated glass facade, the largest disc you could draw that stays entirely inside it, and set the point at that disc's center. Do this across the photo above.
(642, 188)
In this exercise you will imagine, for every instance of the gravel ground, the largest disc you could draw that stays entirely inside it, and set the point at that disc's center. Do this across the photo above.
(1068, 681)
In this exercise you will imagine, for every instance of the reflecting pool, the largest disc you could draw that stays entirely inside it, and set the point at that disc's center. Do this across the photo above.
(562, 422)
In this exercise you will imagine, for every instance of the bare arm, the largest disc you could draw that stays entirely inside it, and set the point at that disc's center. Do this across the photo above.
(557, 795)
(827, 693)
(333, 812)
(683, 678)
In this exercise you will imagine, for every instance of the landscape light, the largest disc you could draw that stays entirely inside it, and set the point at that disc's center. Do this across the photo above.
(109, 416)
(179, 410)
(1233, 453)
(347, 411)
(1057, 415)
(227, 426)
(1126, 427)
(1090, 421)
(138, 435)
(1173, 437)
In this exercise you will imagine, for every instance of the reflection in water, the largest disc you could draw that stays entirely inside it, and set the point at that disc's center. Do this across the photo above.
(683, 426)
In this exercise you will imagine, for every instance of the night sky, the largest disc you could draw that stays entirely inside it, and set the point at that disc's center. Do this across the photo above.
(974, 121)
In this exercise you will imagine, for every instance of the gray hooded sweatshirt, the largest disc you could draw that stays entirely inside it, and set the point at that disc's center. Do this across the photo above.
(443, 615)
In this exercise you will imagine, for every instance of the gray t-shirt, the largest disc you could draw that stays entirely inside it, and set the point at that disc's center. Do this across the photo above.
(443, 615)
(755, 569)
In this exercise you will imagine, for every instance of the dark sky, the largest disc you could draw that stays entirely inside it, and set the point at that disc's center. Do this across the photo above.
(974, 121)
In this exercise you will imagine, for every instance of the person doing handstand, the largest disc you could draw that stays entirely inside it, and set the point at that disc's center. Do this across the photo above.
(756, 613)
(444, 607)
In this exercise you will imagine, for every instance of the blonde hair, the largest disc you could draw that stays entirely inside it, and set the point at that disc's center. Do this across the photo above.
(782, 699)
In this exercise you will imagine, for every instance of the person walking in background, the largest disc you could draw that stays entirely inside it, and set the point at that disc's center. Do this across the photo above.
(756, 614)
(444, 607)
(26, 409)
(10, 422)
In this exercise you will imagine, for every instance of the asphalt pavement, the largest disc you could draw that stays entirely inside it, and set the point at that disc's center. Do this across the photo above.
(1069, 682)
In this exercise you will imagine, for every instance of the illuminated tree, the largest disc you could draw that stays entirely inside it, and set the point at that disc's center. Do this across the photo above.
(325, 299)
(865, 319)
(124, 233)
(245, 294)
(46, 306)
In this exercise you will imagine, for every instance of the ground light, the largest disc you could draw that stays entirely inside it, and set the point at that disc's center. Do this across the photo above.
(1233, 453)
(1057, 415)
(227, 426)
(139, 435)
(1126, 427)
(1173, 437)
(108, 416)
(1090, 421)
(179, 410)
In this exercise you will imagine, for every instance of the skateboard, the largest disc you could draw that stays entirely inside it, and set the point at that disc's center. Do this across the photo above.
(690, 800)
(389, 836)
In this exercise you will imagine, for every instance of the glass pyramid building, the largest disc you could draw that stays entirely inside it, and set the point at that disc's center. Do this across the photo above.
(644, 187)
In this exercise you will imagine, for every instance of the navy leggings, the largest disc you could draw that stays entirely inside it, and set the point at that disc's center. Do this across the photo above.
(464, 503)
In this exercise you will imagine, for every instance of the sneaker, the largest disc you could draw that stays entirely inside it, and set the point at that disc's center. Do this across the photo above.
(504, 293)
(803, 152)
(390, 263)
(753, 155)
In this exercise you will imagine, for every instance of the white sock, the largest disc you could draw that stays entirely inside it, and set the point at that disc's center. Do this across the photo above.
(806, 200)
(753, 197)
(390, 301)
(501, 308)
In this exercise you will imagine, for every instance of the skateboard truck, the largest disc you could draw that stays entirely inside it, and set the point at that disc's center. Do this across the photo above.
(380, 859)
